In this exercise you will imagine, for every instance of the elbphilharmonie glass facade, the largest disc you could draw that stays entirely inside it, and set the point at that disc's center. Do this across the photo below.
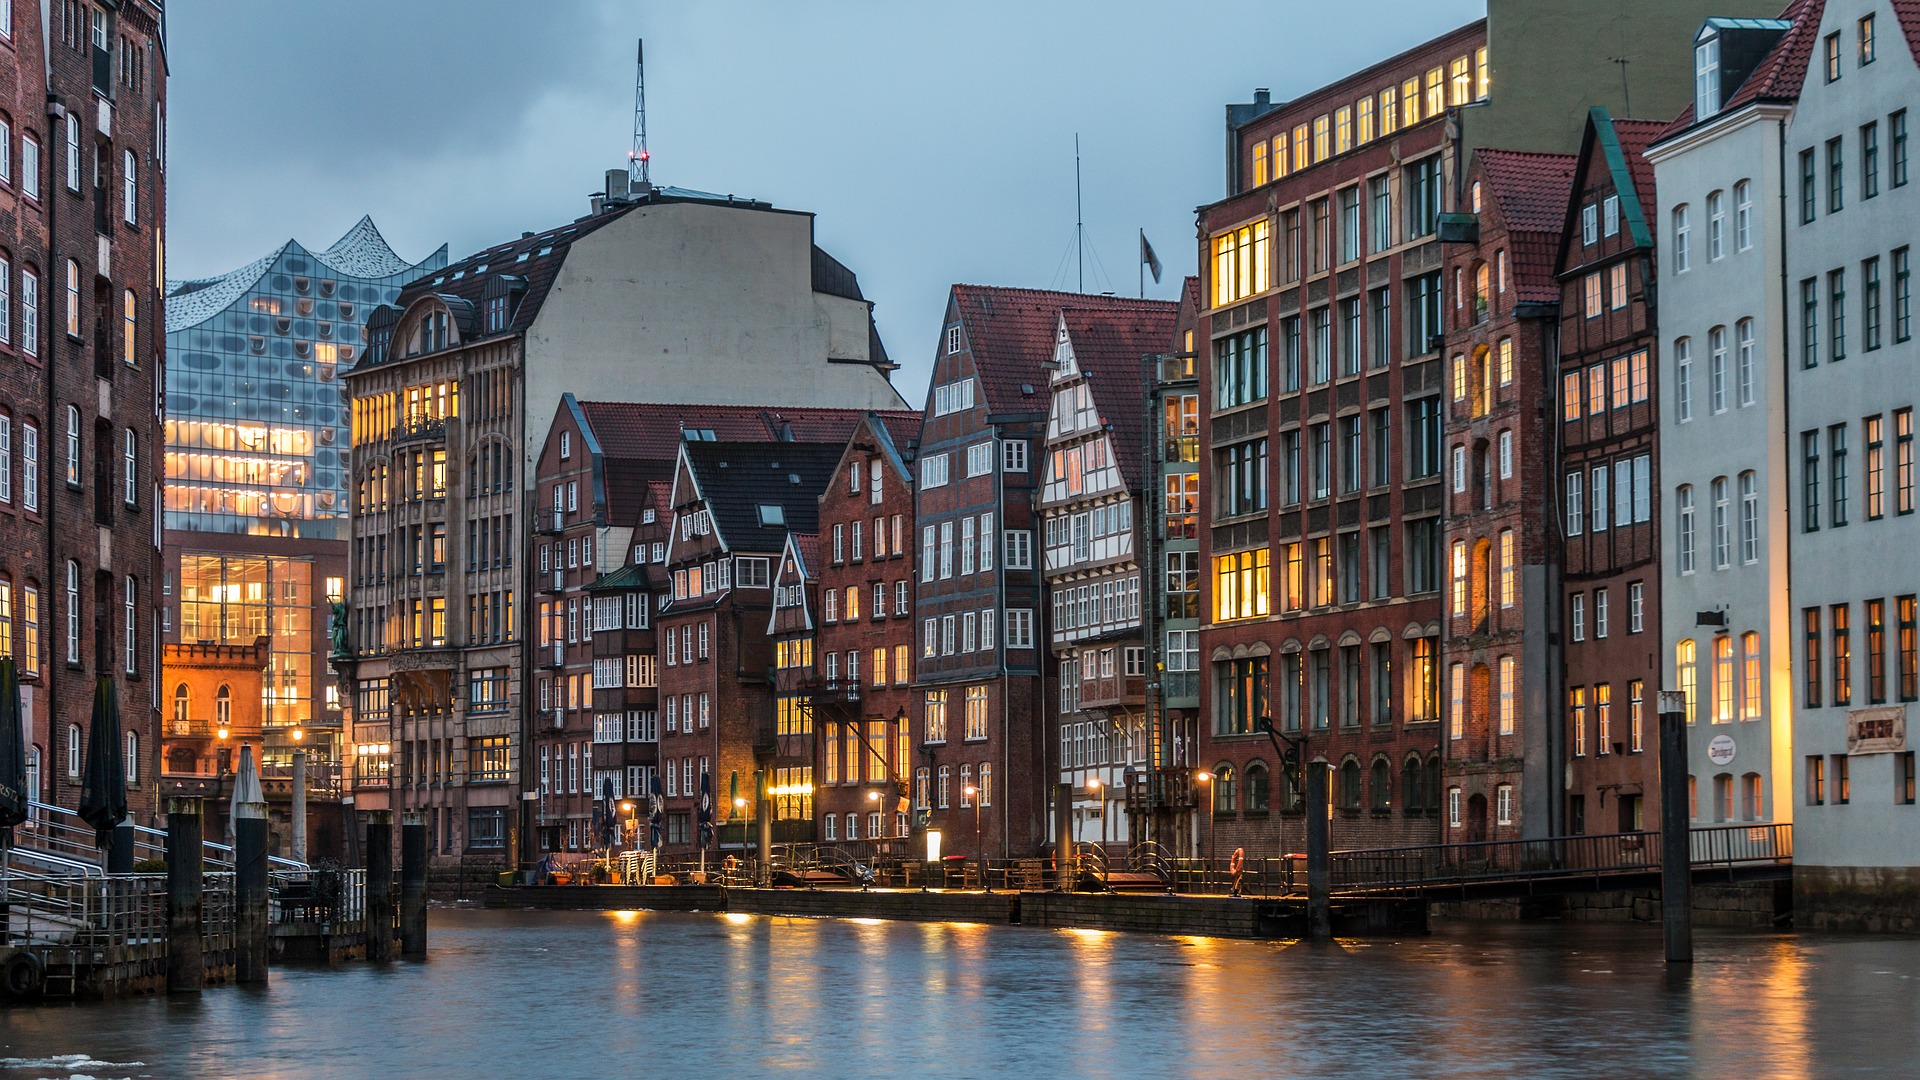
(257, 461)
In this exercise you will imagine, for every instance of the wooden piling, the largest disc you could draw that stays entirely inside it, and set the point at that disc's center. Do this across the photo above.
(1676, 854)
(186, 958)
(379, 885)
(413, 887)
(250, 893)
(1319, 885)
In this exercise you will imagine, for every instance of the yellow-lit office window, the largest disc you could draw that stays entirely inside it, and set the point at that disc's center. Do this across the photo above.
(1483, 77)
(1281, 165)
(1240, 585)
(1300, 148)
(1343, 129)
(1322, 138)
(1259, 163)
(1389, 113)
(1410, 102)
(1436, 92)
(1459, 81)
(1363, 121)
(1240, 263)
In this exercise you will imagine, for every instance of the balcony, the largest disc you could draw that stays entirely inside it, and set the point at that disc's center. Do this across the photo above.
(554, 583)
(176, 728)
(421, 427)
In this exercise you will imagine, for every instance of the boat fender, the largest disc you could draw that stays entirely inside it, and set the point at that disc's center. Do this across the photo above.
(23, 975)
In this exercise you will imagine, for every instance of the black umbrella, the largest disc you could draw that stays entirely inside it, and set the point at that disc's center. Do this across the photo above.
(608, 812)
(103, 793)
(706, 810)
(13, 754)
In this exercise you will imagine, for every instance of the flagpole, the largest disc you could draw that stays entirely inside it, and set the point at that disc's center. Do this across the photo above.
(1143, 264)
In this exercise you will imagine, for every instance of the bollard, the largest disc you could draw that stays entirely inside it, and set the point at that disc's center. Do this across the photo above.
(186, 960)
(413, 886)
(250, 893)
(1319, 892)
(120, 848)
(299, 810)
(1676, 855)
(379, 885)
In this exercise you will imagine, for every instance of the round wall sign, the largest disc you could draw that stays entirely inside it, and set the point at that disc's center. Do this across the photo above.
(1720, 750)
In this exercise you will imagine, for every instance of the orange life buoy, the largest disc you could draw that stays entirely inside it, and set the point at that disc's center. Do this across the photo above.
(1239, 860)
(731, 863)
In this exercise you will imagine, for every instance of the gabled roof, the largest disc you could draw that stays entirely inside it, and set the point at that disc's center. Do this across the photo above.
(651, 431)
(1108, 344)
(1619, 148)
(1010, 335)
(1779, 75)
(629, 576)
(1531, 192)
(1908, 12)
(737, 478)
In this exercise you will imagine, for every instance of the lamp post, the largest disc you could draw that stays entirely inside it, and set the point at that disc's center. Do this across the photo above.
(1093, 786)
(979, 852)
(221, 758)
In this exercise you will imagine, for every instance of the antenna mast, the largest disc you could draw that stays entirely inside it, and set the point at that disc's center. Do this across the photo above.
(1079, 222)
(637, 157)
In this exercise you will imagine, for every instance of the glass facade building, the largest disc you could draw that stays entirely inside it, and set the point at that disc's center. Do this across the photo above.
(257, 460)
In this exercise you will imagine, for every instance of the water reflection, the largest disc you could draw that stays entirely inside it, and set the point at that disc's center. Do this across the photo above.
(640, 993)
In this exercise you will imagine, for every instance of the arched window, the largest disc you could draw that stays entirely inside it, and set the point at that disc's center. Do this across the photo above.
(1349, 793)
(1482, 291)
(1753, 799)
(1258, 786)
(182, 702)
(1749, 517)
(1722, 678)
(130, 194)
(922, 781)
(1223, 788)
(223, 707)
(1482, 580)
(1683, 540)
(1509, 571)
(133, 758)
(1685, 655)
(1457, 700)
(76, 759)
(1505, 364)
(73, 612)
(1716, 225)
(130, 469)
(1382, 783)
(1433, 782)
(73, 446)
(1412, 789)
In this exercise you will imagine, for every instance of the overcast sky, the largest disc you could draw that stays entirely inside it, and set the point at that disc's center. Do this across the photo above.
(933, 142)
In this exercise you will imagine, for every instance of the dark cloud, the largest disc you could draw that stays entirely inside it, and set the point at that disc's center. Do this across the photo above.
(935, 143)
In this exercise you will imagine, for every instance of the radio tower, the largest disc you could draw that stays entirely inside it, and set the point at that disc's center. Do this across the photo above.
(637, 157)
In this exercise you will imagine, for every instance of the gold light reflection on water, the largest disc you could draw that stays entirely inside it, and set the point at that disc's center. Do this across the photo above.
(738, 918)
(1763, 991)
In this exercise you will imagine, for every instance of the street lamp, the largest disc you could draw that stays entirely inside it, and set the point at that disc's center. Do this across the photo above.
(1093, 787)
(979, 852)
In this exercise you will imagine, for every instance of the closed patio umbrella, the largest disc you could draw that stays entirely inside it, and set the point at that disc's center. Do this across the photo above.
(103, 792)
(14, 795)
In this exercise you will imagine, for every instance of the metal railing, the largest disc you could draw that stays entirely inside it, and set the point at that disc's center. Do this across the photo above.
(336, 898)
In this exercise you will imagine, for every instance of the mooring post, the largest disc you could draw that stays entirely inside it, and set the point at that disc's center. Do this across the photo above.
(186, 959)
(1676, 841)
(413, 886)
(379, 885)
(120, 848)
(763, 812)
(250, 892)
(1066, 869)
(1319, 891)
(299, 811)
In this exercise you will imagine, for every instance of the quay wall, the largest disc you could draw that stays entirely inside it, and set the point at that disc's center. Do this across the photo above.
(1757, 905)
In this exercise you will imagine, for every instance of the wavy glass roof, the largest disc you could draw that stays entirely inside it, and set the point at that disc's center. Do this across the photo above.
(360, 253)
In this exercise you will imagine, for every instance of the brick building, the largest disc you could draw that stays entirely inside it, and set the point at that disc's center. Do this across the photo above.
(861, 700)
(1501, 646)
(1093, 490)
(83, 90)
(1322, 383)
(1608, 421)
(213, 709)
(734, 505)
(984, 691)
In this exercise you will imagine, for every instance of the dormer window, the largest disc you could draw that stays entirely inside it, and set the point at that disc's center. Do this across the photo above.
(772, 516)
(1706, 77)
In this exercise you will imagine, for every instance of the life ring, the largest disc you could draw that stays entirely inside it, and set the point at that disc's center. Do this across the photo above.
(23, 975)
(1239, 860)
(731, 863)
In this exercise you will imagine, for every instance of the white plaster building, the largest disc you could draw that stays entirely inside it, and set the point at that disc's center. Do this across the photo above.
(1725, 626)
(1853, 378)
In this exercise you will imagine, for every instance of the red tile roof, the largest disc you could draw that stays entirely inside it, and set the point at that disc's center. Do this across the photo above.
(1635, 136)
(1908, 12)
(1108, 345)
(1530, 192)
(1009, 333)
(1779, 74)
(652, 431)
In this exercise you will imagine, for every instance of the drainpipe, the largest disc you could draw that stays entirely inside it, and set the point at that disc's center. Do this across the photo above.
(49, 681)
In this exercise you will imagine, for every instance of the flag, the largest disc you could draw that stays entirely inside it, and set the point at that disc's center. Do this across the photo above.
(1147, 256)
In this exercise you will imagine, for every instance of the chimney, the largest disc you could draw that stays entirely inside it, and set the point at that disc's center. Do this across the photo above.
(1262, 97)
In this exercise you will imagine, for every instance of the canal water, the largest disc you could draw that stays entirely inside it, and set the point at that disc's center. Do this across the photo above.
(536, 994)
